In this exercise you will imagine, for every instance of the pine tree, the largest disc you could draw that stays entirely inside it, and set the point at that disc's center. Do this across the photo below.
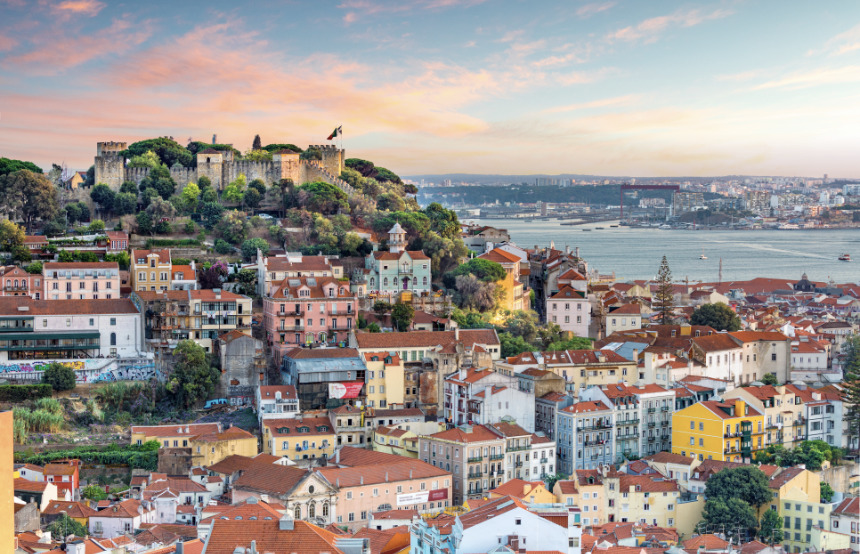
(258, 144)
(664, 300)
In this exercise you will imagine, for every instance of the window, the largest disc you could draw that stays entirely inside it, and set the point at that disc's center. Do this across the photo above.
(113, 321)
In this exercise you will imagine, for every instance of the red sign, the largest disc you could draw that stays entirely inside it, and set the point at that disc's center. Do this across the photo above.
(345, 390)
(438, 494)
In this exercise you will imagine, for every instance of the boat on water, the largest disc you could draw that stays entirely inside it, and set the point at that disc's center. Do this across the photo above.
(845, 258)
(703, 257)
(613, 226)
(587, 230)
(600, 227)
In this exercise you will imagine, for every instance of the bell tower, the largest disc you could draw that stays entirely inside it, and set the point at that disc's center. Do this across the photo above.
(396, 239)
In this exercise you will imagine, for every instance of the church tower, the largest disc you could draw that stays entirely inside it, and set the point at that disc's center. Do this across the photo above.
(396, 239)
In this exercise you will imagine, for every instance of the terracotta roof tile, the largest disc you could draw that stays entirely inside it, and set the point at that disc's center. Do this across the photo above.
(427, 339)
(304, 538)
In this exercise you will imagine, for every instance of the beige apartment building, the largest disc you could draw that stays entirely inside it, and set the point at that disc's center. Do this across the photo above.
(150, 270)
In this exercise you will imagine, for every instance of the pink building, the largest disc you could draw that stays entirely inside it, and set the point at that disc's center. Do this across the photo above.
(117, 241)
(370, 482)
(308, 310)
(80, 280)
(17, 282)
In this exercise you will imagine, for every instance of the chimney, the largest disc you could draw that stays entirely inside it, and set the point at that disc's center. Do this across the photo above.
(286, 523)
(456, 333)
(740, 408)
(180, 548)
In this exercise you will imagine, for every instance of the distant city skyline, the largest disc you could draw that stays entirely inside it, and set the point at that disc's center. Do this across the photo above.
(446, 86)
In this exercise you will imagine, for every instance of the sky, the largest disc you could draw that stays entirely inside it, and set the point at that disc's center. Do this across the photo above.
(608, 87)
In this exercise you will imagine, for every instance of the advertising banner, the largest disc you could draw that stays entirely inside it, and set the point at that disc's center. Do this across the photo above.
(421, 497)
(345, 390)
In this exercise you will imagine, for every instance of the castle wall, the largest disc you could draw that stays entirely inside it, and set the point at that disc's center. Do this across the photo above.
(332, 158)
(213, 170)
(109, 170)
(269, 172)
(183, 176)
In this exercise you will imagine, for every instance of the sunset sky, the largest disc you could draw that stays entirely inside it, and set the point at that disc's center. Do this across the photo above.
(441, 86)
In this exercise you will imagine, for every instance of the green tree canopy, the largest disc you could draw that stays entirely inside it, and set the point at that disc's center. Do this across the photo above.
(59, 376)
(234, 191)
(11, 166)
(250, 246)
(747, 483)
(483, 270)
(30, 195)
(769, 379)
(851, 384)
(665, 296)
(11, 235)
(148, 159)
(168, 151)
(233, 227)
(210, 213)
(771, 527)
(65, 526)
(322, 197)
(279, 146)
(401, 316)
(159, 179)
(733, 515)
(719, 316)
(193, 378)
(94, 492)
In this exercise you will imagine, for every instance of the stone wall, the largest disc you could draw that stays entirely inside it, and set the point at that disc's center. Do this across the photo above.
(174, 461)
(839, 477)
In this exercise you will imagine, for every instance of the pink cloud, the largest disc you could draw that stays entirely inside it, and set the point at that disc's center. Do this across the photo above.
(56, 52)
(79, 7)
(7, 43)
(594, 8)
(650, 29)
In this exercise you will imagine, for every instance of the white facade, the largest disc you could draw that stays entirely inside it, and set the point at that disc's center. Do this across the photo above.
(571, 314)
(495, 403)
(108, 527)
(535, 533)
(824, 422)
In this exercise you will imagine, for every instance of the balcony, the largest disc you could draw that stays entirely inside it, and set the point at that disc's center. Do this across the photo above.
(474, 460)
(544, 460)
(652, 410)
(633, 421)
(494, 457)
(517, 448)
(475, 475)
(291, 313)
(340, 327)
(664, 409)
(652, 439)
(652, 424)
(292, 328)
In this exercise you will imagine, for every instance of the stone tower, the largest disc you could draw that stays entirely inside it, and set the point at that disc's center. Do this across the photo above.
(332, 159)
(110, 164)
(396, 239)
(289, 165)
(210, 163)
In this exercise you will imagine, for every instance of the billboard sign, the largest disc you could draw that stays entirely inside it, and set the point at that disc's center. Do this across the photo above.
(421, 497)
(345, 390)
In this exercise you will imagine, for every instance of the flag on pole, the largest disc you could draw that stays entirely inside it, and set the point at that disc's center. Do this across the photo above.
(337, 132)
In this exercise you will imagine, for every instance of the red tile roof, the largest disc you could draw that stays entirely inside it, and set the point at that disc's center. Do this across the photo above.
(226, 536)
(13, 304)
(478, 433)
(188, 430)
(426, 339)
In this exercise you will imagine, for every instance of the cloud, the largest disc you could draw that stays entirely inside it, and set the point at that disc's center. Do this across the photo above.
(359, 8)
(814, 78)
(737, 77)
(57, 52)
(81, 7)
(843, 43)
(602, 103)
(650, 30)
(7, 43)
(588, 10)
(584, 77)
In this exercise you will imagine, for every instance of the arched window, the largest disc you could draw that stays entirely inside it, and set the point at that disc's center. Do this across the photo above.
(415, 281)
(384, 282)
(372, 282)
(425, 280)
(113, 339)
(312, 510)
(8, 282)
(297, 513)
(325, 509)
(16, 282)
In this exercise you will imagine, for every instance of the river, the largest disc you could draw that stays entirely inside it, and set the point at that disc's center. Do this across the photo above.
(634, 253)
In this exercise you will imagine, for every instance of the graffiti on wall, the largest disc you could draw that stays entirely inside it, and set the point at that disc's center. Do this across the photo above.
(86, 371)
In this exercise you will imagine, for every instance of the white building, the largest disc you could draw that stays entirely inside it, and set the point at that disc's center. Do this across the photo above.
(68, 329)
(277, 401)
(121, 519)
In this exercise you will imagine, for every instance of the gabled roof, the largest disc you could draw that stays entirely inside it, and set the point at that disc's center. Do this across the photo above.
(426, 339)
(717, 342)
(500, 256)
(478, 433)
(270, 478)
(489, 510)
(228, 535)
(849, 506)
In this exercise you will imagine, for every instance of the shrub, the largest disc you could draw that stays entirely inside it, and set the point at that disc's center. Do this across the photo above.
(59, 376)
(21, 393)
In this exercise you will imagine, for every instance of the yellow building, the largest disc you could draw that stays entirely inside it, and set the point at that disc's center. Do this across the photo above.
(301, 438)
(782, 408)
(649, 499)
(210, 448)
(511, 285)
(7, 484)
(797, 499)
(714, 430)
(172, 436)
(533, 492)
(391, 440)
(385, 380)
(150, 270)
(584, 489)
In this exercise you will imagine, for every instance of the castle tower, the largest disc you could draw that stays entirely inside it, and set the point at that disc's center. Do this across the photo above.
(332, 159)
(110, 164)
(396, 239)
(210, 163)
(289, 165)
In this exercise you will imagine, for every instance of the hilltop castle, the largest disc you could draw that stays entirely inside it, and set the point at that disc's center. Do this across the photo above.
(221, 168)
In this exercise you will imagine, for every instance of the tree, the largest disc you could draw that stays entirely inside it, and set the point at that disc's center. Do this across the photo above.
(719, 316)
(665, 296)
(11, 235)
(233, 227)
(213, 276)
(250, 246)
(94, 492)
(769, 379)
(59, 376)
(826, 492)
(401, 316)
(234, 192)
(190, 198)
(322, 197)
(210, 213)
(223, 247)
(193, 378)
(125, 203)
(65, 526)
(104, 196)
(160, 210)
(574, 343)
(96, 226)
(34, 268)
(8, 166)
(147, 159)
(747, 483)
(209, 194)
(257, 145)
(144, 224)
(203, 182)
(550, 479)
(474, 294)
(374, 328)
(252, 198)
(257, 156)
(391, 202)
(381, 307)
(734, 515)
(30, 195)
(129, 187)
(771, 527)
(169, 151)
(483, 270)
(511, 345)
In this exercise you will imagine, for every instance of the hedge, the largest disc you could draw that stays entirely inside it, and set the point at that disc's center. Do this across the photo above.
(21, 393)
(164, 243)
(143, 456)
